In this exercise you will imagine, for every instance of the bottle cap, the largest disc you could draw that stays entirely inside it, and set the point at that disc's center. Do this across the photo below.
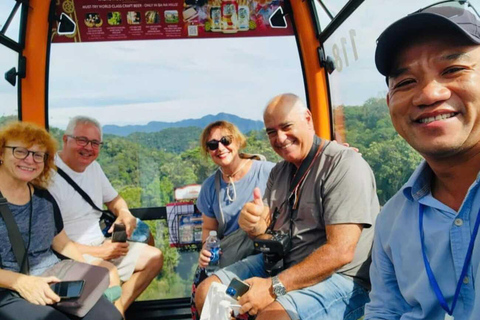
(213, 233)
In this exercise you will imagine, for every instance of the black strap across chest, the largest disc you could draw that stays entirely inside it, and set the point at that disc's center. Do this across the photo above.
(14, 235)
(84, 195)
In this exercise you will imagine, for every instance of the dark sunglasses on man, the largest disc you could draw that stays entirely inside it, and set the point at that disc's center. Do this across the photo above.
(212, 145)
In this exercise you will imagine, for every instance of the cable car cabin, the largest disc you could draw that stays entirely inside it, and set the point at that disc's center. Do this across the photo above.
(154, 73)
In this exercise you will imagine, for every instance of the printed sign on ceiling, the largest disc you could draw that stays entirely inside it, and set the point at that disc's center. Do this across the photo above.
(114, 20)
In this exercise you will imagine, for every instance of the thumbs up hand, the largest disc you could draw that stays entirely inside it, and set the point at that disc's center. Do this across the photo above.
(253, 215)
(257, 198)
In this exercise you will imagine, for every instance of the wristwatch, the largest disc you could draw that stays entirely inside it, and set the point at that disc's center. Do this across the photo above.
(278, 287)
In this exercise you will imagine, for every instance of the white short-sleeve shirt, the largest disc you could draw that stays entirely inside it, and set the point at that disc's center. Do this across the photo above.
(79, 218)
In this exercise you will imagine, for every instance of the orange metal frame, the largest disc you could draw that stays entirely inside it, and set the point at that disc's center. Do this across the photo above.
(33, 85)
(315, 76)
(33, 97)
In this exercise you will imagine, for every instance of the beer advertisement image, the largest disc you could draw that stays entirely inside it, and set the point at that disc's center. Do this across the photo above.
(116, 20)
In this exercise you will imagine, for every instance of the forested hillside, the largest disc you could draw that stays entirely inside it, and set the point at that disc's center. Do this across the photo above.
(369, 128)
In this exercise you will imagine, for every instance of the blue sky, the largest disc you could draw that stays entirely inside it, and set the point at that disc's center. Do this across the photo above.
(134, 82)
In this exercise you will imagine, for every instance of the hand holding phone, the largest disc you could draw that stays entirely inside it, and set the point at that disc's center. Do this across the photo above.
(68, 289)
(119, 233)
(237, 288)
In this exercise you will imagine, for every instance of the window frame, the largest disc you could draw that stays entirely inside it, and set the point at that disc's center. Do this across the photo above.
(17, 47)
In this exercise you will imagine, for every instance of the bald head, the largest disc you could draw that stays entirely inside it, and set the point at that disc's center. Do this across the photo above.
(289, 126)
(287, 102)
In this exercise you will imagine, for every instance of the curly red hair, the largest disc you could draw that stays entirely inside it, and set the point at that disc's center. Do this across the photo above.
(31, 134)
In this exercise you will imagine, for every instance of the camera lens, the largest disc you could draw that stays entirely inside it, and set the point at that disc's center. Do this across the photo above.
(231, 291)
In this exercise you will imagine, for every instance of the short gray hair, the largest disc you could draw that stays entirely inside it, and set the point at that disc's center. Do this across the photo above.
(75, 121)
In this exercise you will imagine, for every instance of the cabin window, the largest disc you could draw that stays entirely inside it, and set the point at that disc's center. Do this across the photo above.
(153, 98)
(8, 93)
(8, 60)
(358, 92)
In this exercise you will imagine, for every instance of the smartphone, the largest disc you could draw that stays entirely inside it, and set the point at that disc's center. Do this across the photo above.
(119, 233)
(237, 288)
(68, 289)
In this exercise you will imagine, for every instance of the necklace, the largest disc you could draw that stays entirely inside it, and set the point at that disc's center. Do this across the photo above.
(232, 183)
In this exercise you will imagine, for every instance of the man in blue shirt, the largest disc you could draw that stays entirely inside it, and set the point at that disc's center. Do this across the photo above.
(426, 258)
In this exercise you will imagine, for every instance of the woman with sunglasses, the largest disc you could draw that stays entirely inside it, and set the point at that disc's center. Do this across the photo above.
(222, 141)
(26, 163)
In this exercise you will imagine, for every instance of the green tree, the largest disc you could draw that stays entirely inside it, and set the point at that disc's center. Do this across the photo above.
(369, 128)
(392, 161)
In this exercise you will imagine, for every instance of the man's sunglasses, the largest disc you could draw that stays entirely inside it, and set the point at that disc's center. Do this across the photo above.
(212, 145)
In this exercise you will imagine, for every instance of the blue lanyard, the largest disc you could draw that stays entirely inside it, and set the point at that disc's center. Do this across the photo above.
(431, 277)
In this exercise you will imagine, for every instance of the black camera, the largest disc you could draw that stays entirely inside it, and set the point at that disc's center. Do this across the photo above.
(273, 242)
(274, 245)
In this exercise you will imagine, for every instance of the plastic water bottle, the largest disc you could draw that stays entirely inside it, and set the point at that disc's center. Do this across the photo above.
(213, 245)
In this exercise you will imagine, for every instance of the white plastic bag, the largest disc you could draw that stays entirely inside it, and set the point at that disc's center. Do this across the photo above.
(218, 305)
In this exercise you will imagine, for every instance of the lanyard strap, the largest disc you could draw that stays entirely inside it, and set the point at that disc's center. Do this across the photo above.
(466, 264)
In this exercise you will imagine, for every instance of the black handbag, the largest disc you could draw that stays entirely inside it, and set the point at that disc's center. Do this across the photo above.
(96, 278)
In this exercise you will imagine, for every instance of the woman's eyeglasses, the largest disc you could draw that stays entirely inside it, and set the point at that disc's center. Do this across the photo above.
(83, 142)
(212, 145)
(22, 154)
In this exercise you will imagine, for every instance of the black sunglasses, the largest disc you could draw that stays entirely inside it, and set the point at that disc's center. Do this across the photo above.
(212, 145)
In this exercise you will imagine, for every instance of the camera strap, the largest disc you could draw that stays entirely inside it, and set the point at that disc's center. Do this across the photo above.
(296, 183)
(299, 176)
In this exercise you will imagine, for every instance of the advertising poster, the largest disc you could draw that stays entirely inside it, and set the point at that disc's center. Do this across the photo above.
(115, 20)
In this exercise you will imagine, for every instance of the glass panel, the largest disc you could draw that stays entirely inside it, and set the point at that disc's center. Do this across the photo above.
(5, 10)
(322, 16)
(6, 7)
(154, 98)
(358, 93)
(334, 6)
(8, 93)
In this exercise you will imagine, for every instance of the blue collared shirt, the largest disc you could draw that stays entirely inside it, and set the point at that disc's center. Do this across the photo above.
(400, 285)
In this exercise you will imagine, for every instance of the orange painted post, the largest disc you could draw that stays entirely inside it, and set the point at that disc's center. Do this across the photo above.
(33, 106)
(315, 76)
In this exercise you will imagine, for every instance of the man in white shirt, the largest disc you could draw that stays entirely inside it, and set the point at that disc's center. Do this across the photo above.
(137, 263)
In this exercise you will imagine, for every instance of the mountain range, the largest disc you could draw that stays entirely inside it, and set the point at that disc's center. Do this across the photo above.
(245, 125)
